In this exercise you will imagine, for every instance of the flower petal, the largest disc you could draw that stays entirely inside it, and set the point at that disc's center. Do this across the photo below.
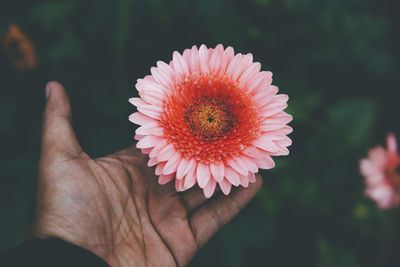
(237, 165)
(266, 162)
(181, 168)
(203, 174)
(190, 178)
(244, 180)
(172, 164)
(250, 164)
(232, 176)
(265, 144)
(160, 167)
(152, 162)
(253, 152)
(252, 177)
(217, 170)
(148, 141)
(163, 179)
(150, 130)
(166, 153)
(179, 64)
(210, 188)
(151, 111)
(156, 150)
(225, 187)
(141, 119)
(203, 58)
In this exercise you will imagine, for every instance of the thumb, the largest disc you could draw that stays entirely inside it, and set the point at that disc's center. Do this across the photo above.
(58, 136)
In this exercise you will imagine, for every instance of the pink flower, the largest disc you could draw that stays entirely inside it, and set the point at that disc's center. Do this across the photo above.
(210, 117)
(382, 176)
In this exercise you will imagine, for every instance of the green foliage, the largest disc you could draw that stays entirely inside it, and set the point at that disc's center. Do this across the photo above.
(336, 59)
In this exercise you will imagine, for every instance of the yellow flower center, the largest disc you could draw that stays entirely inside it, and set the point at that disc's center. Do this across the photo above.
(209, 118)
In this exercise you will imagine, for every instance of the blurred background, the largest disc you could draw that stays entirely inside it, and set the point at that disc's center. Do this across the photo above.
(338, 60)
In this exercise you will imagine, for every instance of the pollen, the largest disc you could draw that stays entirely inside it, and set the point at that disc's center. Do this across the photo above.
(209, 118)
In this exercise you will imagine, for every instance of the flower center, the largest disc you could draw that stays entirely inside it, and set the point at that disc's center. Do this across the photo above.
(209, 118)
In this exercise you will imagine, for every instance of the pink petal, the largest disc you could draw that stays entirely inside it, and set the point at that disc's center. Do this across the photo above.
(166, 153)
(172, 164)
(156, 150)
(259, 82)
(244, 180)
(285, 141)
(150, 130)
(265, 98)
(163, 179)
(141, 119)
(252, 177)
(286, 130)
(146, 85)
(265, 144)
(283, 151)
(151, 111)
(179, 64)
(194, 60)
(181, 168)
(217, 170)
(225, 187)
(281, 117)
(232, 176)
(226, 59)
(146, 150)
(139, 137)
(266, 162)
(203, 174)
(277, 121)
(271, 126)
(151, 97)
(251, 165)
(203, 58)
(245, 62)
(190, 178)
(210, 188)
(160, 167)
(152, 162)
(163, 74)
(249, 73)
(273, 109)
(192, 164)
(237, 165)
(148, 141)
(137, 101)
(179, 187)
(215, 58)
(253, 152)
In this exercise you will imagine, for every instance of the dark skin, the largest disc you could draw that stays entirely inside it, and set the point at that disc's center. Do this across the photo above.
(113, 205)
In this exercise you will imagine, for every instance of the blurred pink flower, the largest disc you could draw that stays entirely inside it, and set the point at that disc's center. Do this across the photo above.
(382, 176)
(210, 117)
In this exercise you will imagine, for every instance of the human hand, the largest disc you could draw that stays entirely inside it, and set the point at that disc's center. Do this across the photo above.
(113, 205)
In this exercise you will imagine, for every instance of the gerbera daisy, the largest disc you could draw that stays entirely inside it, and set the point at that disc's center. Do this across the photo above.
(382, 174)
(210, 117)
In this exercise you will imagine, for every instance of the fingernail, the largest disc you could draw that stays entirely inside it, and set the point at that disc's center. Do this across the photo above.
(47, 90)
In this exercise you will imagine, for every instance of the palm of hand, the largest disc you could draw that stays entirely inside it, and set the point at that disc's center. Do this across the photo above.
(113, 205)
